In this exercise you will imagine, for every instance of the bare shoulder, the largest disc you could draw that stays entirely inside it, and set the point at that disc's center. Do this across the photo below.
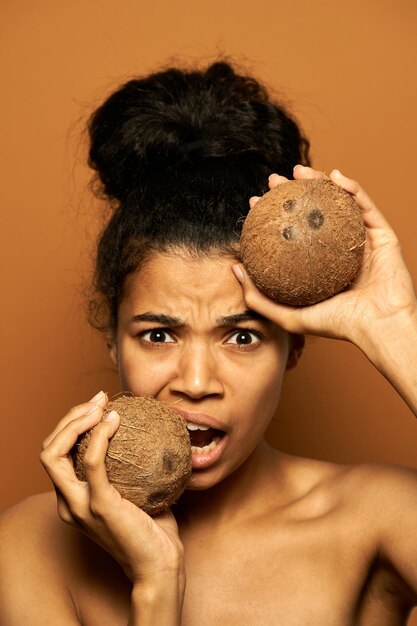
(32, 543)
(389, 494)
(388, 499)
(379, 503)
(379, 487)
(379, 491)
(30, 525)
(50, 573)
(34, 506)
(376, 480)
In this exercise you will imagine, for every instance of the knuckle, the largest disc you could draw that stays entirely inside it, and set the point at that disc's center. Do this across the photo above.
(396, 242)
(91, 461)
(65, 515)
(77, 513)
(75, 411)
(95, 453)
(97, 509)
(45, 457)
(391, 239)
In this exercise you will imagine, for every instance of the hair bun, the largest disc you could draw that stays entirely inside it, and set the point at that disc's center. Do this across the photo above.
(175, 117)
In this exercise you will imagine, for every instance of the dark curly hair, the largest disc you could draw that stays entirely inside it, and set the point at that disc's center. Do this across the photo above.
(178, 153)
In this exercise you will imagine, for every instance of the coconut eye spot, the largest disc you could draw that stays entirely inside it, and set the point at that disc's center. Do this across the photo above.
(315, 219)
(289, 233)
(303, 253)
(289, 205)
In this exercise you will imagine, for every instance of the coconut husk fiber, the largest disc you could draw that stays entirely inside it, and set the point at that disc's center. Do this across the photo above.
(149, 457)
(303, 241)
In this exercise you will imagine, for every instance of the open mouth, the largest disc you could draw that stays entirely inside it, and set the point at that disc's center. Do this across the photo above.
(203, 438)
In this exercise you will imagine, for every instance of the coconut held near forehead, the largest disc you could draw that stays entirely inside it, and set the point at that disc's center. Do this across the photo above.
(149, 457)
(303, 241)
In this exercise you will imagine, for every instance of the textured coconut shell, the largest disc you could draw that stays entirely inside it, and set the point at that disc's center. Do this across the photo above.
(303, 241)
(149, 457)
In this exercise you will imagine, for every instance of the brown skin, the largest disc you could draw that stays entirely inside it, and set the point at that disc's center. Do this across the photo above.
(262, 537)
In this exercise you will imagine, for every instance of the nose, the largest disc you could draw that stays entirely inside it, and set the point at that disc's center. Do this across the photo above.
(198, 373)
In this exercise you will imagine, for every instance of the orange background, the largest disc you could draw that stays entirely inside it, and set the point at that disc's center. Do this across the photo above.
(348, 72)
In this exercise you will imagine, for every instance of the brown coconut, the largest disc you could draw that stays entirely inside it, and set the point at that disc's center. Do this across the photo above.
(303, 241)
(149, 457)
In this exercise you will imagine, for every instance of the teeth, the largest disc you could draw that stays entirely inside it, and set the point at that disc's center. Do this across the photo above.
(206, 449)
(192, 426)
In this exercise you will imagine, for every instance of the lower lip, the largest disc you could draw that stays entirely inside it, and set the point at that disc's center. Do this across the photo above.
(204, 461)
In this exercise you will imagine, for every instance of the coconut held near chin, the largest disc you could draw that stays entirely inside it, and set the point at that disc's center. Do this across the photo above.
(303, 241)
(149, 457)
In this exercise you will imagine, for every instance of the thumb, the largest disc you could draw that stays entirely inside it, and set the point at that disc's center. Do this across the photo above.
(287, 317)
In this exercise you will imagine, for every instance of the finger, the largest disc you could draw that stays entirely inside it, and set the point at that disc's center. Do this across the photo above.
(302, 171)
(285, 316)
(94, 458)
(276, 179)
(371, 215)
(64, 511)
(273, 181)
(253, 200)
(76, 412)
(56, 456)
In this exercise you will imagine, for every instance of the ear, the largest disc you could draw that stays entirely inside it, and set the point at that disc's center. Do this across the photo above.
(112, 347)
(296, 349)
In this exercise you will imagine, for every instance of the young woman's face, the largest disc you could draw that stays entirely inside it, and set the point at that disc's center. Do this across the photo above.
(186, 337)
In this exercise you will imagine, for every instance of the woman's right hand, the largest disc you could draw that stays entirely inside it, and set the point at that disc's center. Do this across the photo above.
(147, 548)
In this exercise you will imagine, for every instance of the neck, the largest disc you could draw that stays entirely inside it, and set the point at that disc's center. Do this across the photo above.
(247, 491)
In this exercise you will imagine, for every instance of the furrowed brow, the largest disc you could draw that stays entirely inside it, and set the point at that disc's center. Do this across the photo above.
(158, 318)
(229, 321)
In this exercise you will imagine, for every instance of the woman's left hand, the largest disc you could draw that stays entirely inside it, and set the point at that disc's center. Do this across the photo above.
(382, 291)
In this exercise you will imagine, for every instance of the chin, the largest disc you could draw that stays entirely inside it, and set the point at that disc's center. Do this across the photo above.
(202, 480)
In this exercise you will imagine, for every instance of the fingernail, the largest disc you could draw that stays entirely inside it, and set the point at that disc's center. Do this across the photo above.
(271, 175)
(110, 417)
(238, 273)
(337, 172)
(298, 165)
(97, 396)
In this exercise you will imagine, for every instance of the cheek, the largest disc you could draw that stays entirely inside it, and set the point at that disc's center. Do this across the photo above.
(273, 379)
(263, 393)
(143, 376)
(260, 386)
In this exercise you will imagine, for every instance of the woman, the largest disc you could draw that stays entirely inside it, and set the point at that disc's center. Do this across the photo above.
(258, 536)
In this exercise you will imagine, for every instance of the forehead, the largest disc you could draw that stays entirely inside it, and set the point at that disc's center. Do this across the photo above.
(171, 281)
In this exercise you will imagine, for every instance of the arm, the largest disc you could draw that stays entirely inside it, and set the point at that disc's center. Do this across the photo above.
(50, 575)
(148, 549)
(389, 505)
(378, 313)
(157, 603)
(391, 346)
(33, 584)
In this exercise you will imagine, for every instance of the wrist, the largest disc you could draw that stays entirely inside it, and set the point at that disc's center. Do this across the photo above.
(377, 333)
(158, 600)
(390, 344)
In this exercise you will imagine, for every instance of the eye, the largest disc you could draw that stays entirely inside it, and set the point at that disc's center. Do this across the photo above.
(157, 335)
(244, 338)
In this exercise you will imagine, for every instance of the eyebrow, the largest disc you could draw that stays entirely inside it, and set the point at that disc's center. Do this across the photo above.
(159, 318)
(228, 321)
(224, 321)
